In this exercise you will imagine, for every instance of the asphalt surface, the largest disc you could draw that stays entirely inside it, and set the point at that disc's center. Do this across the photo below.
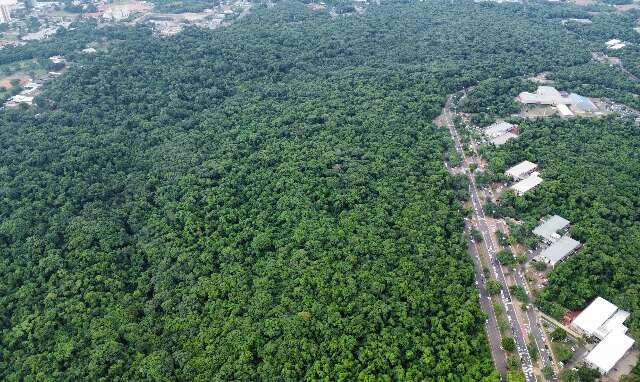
(491, 326)
(491, 248)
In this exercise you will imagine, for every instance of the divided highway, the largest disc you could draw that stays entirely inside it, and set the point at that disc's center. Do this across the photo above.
(519, 333)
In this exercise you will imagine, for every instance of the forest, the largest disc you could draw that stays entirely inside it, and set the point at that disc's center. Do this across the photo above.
(591, 169)
(266, 201)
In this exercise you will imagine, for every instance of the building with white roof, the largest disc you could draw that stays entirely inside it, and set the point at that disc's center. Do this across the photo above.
(545, 95)
(18, 99)
(609, 351)
(604, 320)
(521, 170)
(559, 250)
(594, 316)
(502, 139)
(498, 129)
(567, 104)
(617, 46)
(527, 184)
(615, 322)
(549, 229)
(564, 110)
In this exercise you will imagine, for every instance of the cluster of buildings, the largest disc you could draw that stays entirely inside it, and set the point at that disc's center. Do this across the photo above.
(26, 96)
(567, 104)
(33, 88)
(559, 245)
(604, 321)
(525, 175)
(5, 10)
(615, 44)
(500, 132)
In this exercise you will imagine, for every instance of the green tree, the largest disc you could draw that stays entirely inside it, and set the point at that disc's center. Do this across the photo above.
(493, 287)
(505, 257)
(508, 344)
(548, 372)
(558, 334)
(513, 362)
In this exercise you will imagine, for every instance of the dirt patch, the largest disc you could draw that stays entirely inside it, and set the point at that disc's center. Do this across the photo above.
(534, 111)
(627, 7)
(123, 10)
(315, 6)
(584, 2)
(6, 82)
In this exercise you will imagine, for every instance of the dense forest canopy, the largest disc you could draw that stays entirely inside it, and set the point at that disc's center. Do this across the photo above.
(591, 169)
(261, 202)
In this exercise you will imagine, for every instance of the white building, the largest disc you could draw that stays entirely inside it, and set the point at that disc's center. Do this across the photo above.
(609, 351)
(545, 95)
(498, 129)
(521, 170)
(618, 46)
(5, 10)
(549, 229)
(567, 104)
(559, 250)
(18, 99)
(527, 184)
(564, 110)
(603, 320)
(502, 139)
(594, 316)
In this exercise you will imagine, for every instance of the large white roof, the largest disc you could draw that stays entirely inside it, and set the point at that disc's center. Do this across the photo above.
(497, 129)
(596, 314)
(613, 324)
(564, 110)
(550, 227)
(610, 350)
(521, 169)
(560, 249)
(502, 139)
(527, 184)
(545, 95)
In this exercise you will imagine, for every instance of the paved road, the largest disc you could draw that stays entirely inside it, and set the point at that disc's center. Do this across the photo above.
(491, 326)
(518, 331)
(535, 326)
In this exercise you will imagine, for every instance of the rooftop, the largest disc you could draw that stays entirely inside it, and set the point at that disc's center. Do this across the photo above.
(502, 139)
(527, 184)
(560, 249)
(581, 103)
(549, 229)
(596, 314)
(610, 350)
(521, 168)
(497, 129)
(614, 323)
(564, 110)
